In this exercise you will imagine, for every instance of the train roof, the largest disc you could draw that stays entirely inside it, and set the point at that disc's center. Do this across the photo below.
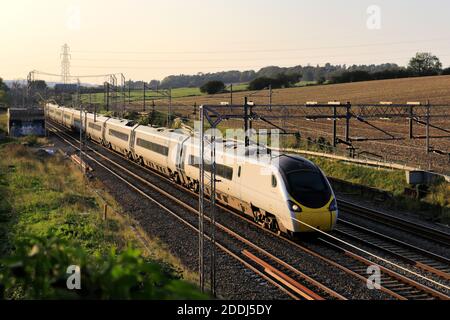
(291, 162)
(229, 147)
(98, 117)
(121, 122)
(172, 134)
(260, 154)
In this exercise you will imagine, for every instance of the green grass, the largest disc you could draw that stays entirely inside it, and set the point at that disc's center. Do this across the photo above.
(3, 121)
(186, 92)
(138, 95)
(435, 205)
(45, 195)
(45, 204)
(240, 87)
(176, 93)
(388, 180)
(305, 83)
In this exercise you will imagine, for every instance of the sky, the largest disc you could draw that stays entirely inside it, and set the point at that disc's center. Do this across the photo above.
(146, 39)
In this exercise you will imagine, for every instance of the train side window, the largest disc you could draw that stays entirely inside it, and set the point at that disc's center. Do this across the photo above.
(239, 172)
(95, 126)
(224, 171)
(221, 170)
(118, 134)
(274, 181)
(163, 150)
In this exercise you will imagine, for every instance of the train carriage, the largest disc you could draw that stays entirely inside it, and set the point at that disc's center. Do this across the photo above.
(58, 115)
(227, 171)
(247, 184)
(78, 120)
(117, 135)
(50, 111)
(67, 117)
(95, 127)
(285, 193)
(158, 148)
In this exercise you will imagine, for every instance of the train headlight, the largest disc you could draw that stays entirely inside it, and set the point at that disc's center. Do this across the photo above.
(333, 205)
(294, 207)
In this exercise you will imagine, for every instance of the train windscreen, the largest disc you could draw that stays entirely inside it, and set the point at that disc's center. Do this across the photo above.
(304, 181)
(308, 187)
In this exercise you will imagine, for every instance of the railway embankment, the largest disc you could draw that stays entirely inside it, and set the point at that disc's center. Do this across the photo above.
(388, 189)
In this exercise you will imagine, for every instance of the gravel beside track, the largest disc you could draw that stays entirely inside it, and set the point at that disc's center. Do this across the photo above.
(234, 282)
(291, 253)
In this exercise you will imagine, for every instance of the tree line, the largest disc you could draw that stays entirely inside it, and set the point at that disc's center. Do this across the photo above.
(423, 64)
(3, 93)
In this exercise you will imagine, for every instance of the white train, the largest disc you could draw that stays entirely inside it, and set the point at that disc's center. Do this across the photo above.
(293, 195)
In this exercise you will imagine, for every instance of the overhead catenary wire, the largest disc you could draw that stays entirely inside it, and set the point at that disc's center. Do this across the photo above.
(74, 76)
(330, 236)
(266, 50)
(232, 67)
(242, 59)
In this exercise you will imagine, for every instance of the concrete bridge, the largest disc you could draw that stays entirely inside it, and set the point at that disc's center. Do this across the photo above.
(26, 121)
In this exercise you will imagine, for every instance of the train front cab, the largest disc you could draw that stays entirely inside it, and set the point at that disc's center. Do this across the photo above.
(310, 198)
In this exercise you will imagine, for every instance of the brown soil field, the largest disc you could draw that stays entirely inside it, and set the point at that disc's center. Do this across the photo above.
(436, 90)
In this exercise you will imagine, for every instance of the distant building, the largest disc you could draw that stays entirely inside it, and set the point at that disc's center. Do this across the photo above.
(66, 88)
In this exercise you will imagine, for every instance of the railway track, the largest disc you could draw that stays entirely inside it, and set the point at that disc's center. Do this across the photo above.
(392, 282)
(418, 230)
(405, 252)
(274, 270)
(396, 285)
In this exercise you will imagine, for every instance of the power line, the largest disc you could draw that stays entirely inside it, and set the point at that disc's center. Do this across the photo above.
(75, 76)
(248, 67)
(240, 59)
(266, 50)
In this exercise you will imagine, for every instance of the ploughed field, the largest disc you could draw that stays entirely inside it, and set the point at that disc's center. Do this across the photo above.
(436, 90)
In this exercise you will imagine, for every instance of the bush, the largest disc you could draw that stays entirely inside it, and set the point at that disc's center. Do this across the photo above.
(281, 81)
(361, 75)
(321, 80)
(425, 64)
(212, 87)
(38, 270)
(262, 83)
(392, 74)
(30, 140)
(131, 115)
(446, 71)
(352, 76)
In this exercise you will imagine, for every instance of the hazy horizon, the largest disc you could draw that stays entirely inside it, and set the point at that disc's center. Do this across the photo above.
(150, 40)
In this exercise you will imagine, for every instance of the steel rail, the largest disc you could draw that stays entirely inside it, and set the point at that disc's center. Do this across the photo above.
(428, 233)
(249, 245)
(406, 252)
(396, 282)
(306, 250)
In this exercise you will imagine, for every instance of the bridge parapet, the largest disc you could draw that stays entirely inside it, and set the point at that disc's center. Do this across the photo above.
(26, 121)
